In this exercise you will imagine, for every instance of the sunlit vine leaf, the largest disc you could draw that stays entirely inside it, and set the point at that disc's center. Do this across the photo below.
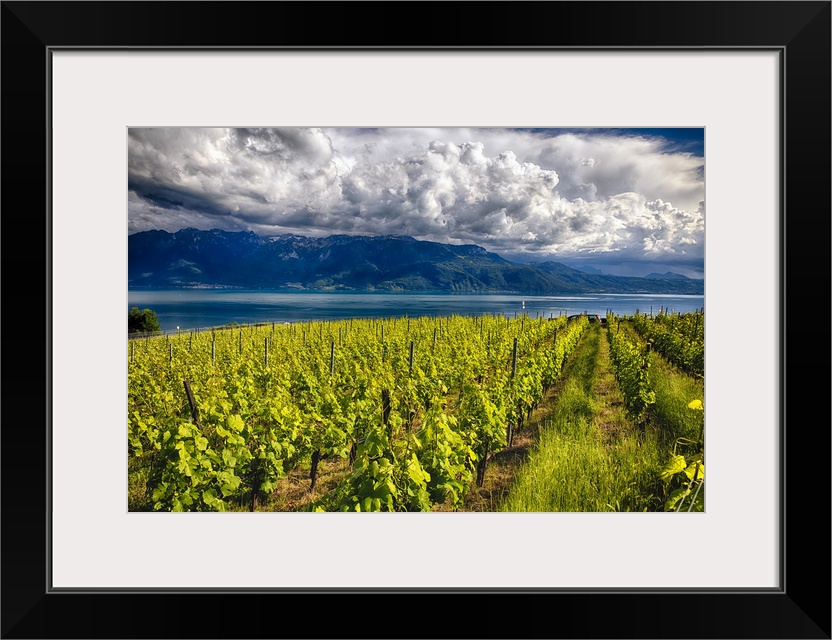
(676, 464)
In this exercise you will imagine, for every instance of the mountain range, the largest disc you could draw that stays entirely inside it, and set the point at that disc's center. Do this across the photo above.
(215, 259)
(667, 275)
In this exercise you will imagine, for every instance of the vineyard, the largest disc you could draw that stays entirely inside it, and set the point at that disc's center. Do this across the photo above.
(400, 414)
(680, 338)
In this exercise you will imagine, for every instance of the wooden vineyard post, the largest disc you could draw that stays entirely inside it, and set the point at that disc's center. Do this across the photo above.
(192, 403)
(313, 472)
(266, 349)
(241, 341)
(170, 356)
(411, 356)
(213, 351)
(509, 428)
(481, 465)
(255, 474)
(385, 411)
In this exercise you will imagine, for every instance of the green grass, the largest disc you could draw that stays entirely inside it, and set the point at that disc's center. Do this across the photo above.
(580, 474)
(137, 474)
(674, 390)
(589, 457)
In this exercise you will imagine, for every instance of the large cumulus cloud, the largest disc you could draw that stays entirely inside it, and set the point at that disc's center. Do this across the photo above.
(519, 193)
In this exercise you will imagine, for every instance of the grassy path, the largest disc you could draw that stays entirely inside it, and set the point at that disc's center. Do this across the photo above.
(674, 390)
(589, 456)
(610, 414)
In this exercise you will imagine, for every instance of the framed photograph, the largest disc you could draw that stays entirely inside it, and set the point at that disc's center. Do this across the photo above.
(96, 95)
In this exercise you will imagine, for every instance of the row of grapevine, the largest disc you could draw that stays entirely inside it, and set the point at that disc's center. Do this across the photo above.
(683, 474)
(632, 370)
(679, 338)
(416, 405)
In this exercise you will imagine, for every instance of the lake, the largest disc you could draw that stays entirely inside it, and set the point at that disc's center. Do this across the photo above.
(203, 308)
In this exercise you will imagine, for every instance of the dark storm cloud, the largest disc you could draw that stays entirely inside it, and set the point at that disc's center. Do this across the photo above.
(518, 192)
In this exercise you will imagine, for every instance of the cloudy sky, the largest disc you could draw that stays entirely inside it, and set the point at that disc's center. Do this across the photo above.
(626, 201)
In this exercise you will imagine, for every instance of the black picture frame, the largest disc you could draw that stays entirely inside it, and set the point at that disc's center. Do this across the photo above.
(800, 31)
